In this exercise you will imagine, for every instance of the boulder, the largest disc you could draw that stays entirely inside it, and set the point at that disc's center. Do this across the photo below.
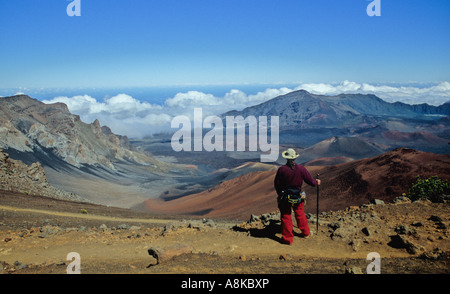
(167, 253)
(377, 202)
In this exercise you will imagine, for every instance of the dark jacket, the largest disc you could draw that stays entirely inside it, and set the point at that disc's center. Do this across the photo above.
(292, 177)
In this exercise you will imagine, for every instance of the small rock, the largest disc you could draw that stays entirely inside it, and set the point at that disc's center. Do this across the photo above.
(405, 230)
(343, 232)
(441, 226)
(209, 222)
(366, 231)
(195, 224)
(401, 199)
(134, 236)
(164, 254)
(435, 218)
(122, 227)
(24, 233)
(253, 218)
(401, 241)
(19, 265)
(377, 202)
(43, 235)
(436, 254)
(48, 230)
(353, 270)
(285, 257)
(401, 229)
(167, 228)
(355, 244)
(334, 226)
(438, 221)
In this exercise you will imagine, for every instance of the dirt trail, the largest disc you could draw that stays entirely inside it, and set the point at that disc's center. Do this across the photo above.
(83, 216)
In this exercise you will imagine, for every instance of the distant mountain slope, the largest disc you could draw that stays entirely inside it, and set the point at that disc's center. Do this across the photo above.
(385, 177)
(299, 108)
(307, 119)
(351, 148)
(306, 109)
(372, 105)
(85, 159)
(29, 126)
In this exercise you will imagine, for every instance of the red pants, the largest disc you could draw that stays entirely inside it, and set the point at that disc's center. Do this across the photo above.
(286, 220)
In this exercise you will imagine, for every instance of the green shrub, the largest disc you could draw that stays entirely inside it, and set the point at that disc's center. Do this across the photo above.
(433, 189)
(83, 211)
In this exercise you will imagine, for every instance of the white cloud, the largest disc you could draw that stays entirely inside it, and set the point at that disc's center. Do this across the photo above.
(117, 105)
(192, 98)
(80, 104)
(434, 95)
(243, 100)
(234, 99)
(126, 115)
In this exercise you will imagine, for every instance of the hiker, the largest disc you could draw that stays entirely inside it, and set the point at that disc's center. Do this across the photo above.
(290, 177)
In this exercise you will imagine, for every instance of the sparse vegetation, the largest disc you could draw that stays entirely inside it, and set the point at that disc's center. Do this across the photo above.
(433, 189)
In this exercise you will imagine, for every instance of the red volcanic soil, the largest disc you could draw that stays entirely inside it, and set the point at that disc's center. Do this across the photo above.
(384, 177)
(328, 161)
(416, 137)
(232, 199)
(381, 177)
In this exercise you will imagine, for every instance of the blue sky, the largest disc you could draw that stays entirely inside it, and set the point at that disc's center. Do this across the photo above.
(176, 42)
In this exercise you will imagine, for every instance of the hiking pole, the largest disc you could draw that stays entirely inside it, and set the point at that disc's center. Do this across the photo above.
(317, 209)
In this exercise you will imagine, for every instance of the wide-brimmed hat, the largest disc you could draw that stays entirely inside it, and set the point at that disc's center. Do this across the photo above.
(290, 154)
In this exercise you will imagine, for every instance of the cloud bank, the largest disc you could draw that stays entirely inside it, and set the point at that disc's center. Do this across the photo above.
(434, 95)
(126, 115)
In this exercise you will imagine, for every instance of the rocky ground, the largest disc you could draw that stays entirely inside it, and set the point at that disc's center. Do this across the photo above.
(38, 233)
(29, 179)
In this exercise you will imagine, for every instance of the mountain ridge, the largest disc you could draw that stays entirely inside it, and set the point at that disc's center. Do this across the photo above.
(28, 125)
(349, 148)
(306, 119)
(337, 106)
